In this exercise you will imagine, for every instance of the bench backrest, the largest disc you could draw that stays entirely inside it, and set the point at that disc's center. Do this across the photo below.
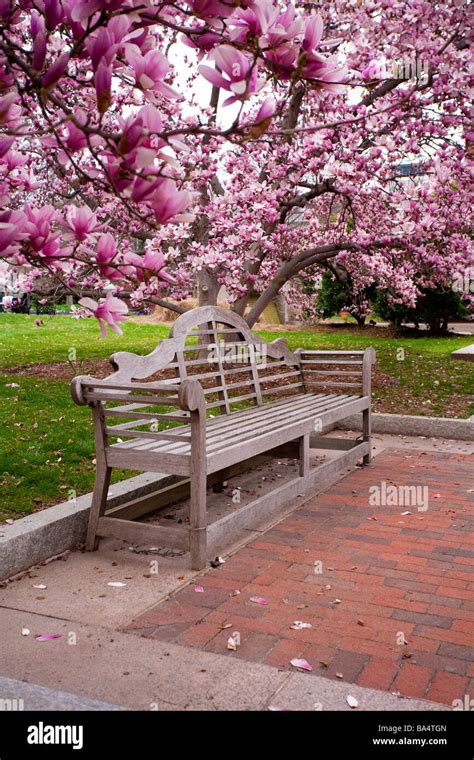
(235, 366)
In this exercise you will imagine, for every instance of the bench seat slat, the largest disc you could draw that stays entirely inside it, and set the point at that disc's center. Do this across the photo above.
(248, 428)
(228, 422)
(251, 425)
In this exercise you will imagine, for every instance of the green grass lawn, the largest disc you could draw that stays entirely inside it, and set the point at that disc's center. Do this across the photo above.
(46, 441)
(21, 342)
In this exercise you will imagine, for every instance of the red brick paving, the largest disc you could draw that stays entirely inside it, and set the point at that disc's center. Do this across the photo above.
(398, 578)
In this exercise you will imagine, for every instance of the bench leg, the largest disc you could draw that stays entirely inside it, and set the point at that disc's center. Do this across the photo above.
(304, 456)
(99, 500)
(367, 434)
(198, 520)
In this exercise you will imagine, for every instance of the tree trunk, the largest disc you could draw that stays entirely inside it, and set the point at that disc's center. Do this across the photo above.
(208, 289)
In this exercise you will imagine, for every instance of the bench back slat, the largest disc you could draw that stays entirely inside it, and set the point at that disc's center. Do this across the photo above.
(218, 348)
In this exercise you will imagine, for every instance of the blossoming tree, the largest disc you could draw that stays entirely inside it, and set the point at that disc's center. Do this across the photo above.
(115, 172)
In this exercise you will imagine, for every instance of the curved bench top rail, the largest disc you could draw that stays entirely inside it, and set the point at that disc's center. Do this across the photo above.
(211, 325)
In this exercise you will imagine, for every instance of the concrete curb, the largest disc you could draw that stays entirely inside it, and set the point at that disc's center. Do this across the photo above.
(400, 424)
(44, 534)
(21, 695)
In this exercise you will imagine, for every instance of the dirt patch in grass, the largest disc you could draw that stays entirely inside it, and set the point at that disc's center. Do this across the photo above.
(62, 370)
(402, 402)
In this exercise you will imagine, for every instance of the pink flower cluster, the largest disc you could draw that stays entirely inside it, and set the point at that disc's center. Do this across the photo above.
(113, 171)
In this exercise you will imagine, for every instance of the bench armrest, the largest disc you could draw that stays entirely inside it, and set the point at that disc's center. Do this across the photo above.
(191, 397)
(369, 358)
(88, 390)
(339, 363)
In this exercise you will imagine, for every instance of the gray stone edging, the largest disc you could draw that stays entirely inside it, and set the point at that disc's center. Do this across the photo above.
(25, 696)
(400, 424)
(44, 534)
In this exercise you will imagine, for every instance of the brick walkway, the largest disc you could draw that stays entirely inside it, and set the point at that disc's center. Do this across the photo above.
(398, 578)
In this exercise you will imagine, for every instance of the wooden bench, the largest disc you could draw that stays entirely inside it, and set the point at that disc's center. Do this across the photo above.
(208, 398)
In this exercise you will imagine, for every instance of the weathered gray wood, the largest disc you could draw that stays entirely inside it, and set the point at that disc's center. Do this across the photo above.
(369, 358)
(137, 419)
(269, 439)
(119, 430)
(102, 477)
(332, 372)
(333, 361)
(342, 384)
(132, 459)
(304, 455)
(238, 425)
(335, 444)
(152, 386)
(150, 400)
(143, 505)
(143, 533)
(192, 399)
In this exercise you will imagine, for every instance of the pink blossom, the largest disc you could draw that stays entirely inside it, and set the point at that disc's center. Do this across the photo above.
(154, 261)
(103, 86)
(313, 33)
(6, 103)
(36, 23)
(324, 73)
(82, 221)
(254, 21)
(201, 42)
(106, 248)
(84, 9)
(39, 226)
(54, 13)
(38, 33)
(150, 69)
(168, 203)
(101, 48)
(5, 145)
(266, 110)
(287, 28)
(11, 232)
(263, 118)
(55, 72)
(241, 74)
(209, 9)
(111, 312)
(374, 70)
(106, 252)
(76, 139)
(39, 51)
